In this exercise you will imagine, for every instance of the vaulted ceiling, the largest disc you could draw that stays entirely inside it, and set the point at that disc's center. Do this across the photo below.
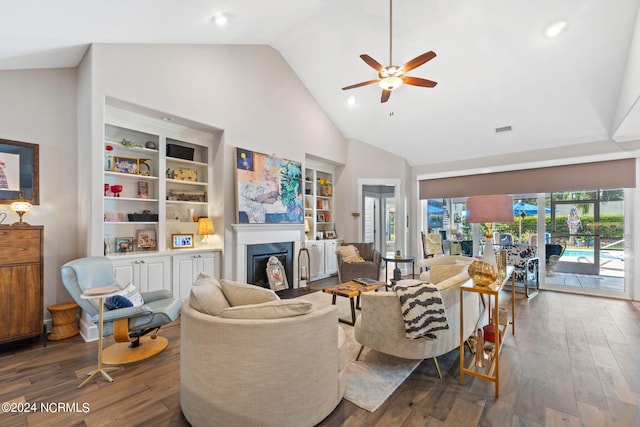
(575, 93)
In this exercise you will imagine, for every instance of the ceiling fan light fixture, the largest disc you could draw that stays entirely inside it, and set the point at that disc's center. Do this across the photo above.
(390, 83)
(555, 29)
(220, 20)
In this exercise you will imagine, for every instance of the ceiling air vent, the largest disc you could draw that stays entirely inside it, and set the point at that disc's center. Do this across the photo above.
(503, 129)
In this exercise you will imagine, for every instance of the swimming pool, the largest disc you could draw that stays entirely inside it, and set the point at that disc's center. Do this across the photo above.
(589, 254)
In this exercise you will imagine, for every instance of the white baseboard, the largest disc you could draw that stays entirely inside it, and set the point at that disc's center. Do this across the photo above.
(88, 329)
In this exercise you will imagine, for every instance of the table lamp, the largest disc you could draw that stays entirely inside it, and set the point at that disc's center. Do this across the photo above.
(20, 207)
(489, 209)
(205, 229)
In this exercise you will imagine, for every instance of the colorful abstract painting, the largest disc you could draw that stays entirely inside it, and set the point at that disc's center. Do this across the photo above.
(269, 189)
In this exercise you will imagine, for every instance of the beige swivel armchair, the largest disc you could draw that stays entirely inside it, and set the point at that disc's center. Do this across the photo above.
(380, 325)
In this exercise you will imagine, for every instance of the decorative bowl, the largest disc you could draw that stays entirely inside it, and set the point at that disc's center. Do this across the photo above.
(116, 189)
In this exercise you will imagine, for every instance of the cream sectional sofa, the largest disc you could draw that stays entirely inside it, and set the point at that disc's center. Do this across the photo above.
(256, 360)
(380, 325)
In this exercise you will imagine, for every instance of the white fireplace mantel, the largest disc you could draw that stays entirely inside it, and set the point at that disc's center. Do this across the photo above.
(255, 234)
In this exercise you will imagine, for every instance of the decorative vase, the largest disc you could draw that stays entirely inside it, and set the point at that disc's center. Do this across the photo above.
(482, 273)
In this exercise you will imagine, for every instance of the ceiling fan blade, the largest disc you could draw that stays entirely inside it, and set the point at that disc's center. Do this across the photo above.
(372, 62)
(385, 95)
(370, 82)
(418, 61)
(416, 81)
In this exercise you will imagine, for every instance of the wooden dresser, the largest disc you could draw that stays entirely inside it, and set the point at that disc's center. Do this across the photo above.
(21, 282)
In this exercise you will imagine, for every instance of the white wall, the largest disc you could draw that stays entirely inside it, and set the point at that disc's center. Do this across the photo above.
(369, 164)
(251, 93)
(39, 107)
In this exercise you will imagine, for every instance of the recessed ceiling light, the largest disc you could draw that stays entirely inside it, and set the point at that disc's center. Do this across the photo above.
(555, 29)
(167, 118)
(220, 20)
(351, 100)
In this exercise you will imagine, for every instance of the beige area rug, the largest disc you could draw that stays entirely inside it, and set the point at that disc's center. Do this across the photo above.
(375, 376)
(636, 304)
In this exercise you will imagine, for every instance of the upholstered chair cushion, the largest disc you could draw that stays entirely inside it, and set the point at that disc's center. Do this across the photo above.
(242, 293)
(268, 310)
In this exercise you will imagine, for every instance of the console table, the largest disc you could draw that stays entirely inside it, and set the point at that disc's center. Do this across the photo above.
(492, 371)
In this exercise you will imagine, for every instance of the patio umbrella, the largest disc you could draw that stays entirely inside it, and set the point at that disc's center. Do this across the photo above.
(527, 208)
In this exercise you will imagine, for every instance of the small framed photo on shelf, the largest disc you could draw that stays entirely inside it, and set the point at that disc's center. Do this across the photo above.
(146, 239)
(329, 235)
(143, 189)
(181, 241)
(124, 244)
(125, 165)
(321, 218)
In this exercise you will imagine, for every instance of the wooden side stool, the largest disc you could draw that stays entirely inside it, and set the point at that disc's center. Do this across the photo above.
(63, 320)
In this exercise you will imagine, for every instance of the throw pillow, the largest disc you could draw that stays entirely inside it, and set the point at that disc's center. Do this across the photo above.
(117, 301)
(205, 279)
(349, 254)
(242, 293)
(207, 296)
(268, 310)
(131, 293)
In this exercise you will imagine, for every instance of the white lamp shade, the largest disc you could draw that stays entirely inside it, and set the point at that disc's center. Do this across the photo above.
(21, 206)
(494, 208)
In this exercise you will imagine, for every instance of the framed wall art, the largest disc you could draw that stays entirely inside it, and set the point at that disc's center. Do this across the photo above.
(19, 172)
(268, 189)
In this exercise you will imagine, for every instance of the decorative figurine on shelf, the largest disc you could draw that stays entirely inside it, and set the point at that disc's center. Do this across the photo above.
(116, 190)
(108, 158)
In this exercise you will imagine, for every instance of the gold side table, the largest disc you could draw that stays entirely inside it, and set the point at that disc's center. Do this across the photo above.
(101, 294)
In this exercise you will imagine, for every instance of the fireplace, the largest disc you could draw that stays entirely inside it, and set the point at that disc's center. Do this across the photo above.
(259, 254)
(245, 235)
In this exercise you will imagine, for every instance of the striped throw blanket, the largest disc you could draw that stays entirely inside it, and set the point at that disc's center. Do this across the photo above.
(422, 310)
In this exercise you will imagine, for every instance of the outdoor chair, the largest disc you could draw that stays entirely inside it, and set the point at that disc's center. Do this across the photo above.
(527, 265)
(553, 253)
(467, 247)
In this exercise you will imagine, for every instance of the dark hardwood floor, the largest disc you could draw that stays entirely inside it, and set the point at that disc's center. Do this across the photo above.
(572, 362)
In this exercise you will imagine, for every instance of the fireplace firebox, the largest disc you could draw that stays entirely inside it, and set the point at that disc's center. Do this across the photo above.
(258, 256)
